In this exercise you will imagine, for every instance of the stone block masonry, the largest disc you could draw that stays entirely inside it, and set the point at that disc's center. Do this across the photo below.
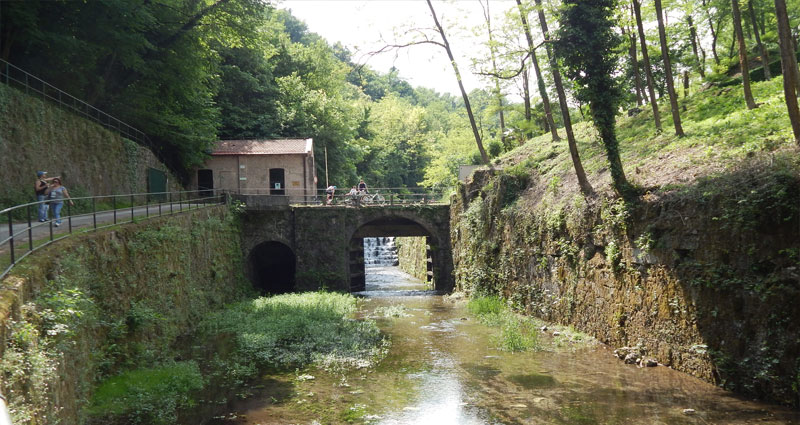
(321, 239)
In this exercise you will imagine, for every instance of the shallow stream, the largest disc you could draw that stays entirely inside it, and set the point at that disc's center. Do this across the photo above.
(442, 369)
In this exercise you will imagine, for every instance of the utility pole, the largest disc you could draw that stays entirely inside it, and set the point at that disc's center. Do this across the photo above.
(326, 167)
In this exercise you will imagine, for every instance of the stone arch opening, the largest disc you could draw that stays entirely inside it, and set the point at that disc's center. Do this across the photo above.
(388, 226)
(271, 268)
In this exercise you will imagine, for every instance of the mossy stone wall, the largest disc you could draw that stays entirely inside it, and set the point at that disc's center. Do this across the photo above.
(412, 254)
(705, 278)
(38, 135)
(91, 306)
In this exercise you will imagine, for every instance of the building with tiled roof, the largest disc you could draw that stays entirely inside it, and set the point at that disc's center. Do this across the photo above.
(282, 167)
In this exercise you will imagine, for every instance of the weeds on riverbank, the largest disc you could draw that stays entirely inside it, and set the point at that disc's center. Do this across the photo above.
(151, 395)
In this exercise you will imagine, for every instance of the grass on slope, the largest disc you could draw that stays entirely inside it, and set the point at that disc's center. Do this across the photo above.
(720, 132)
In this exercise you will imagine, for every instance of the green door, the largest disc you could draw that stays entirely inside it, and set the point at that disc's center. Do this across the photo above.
(157, 183)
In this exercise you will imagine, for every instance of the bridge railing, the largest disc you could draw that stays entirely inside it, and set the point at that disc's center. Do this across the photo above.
(25, 233)
(380, 196)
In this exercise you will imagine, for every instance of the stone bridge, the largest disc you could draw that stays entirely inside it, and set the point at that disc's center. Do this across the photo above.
(312, 247)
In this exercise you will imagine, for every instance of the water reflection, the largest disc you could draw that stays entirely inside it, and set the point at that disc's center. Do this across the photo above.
(442, 369)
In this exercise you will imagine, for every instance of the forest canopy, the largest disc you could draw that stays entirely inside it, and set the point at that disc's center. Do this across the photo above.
(190, 72)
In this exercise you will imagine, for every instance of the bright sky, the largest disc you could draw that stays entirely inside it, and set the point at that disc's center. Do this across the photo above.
(367, 25)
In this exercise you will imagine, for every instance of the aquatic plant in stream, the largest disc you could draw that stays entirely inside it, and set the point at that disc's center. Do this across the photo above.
(517, 333)
(293, 330)
(392, 311)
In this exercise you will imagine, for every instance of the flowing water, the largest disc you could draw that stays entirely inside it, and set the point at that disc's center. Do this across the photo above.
(442, 369)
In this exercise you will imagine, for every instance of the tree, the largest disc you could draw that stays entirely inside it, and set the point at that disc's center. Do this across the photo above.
(586, 43)
(673, 98)
(637, 78)
(583, 182)
(714, 33)
(492, 50)
(787, 65)
(538, 72)
(743, 61)
(764, 53)
(648, 70)
(693, 39)
(446, 45)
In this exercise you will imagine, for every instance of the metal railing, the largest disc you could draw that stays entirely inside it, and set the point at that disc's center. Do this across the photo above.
(26, 234)
(15, 76)
(382, 196)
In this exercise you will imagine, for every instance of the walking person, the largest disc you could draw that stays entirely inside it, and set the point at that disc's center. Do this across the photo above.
(56, 193)
(40, 188)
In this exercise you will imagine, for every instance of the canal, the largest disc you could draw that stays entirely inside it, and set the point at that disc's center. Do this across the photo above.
(443, 368)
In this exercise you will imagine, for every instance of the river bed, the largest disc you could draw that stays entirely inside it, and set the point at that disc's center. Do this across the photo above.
(442, 368)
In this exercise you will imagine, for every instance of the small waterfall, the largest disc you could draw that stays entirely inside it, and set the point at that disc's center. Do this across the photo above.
(380, 252)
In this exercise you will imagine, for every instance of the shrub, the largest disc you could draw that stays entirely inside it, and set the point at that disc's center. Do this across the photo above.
(147, 396)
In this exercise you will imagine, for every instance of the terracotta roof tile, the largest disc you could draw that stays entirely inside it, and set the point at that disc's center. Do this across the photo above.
(262, 147)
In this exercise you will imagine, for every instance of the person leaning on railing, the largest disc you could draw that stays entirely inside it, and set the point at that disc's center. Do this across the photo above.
(40, 188)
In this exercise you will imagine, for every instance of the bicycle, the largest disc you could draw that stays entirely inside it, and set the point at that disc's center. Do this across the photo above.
(375, 198)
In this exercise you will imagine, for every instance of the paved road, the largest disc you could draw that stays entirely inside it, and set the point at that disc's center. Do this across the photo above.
(41, 231)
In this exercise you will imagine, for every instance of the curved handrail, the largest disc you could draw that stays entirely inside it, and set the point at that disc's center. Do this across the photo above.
(124, 208)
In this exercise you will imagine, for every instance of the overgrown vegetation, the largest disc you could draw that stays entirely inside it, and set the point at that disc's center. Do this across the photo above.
(294, 330)
(232, 346)
(150, 395)
(516, 332)
(719, 219)
(117, 302)
(519, 333)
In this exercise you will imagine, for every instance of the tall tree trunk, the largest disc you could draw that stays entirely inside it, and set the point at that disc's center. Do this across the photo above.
(737, 28)
(685, 84)
(764, 53)
(713, 34)
(648, 70)
(794, 68)
(583, 182)
(492, 50)
(484, 156)
(789, 74)
(673, 98)
(526, 99)
(637, 78)
(693, 38)
(539, 80)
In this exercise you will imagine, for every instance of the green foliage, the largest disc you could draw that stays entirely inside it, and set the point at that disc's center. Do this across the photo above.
(28, 367)
(116, 307)
(392, 311)
(586, 43)
(297, 329)
(516, 333)
(148, 396)
(613, 255)
(482, 306)
(513, 181)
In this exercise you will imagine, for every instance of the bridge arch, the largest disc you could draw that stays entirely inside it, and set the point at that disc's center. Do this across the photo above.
(271, 267)
(392, 223)
(323, 239)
